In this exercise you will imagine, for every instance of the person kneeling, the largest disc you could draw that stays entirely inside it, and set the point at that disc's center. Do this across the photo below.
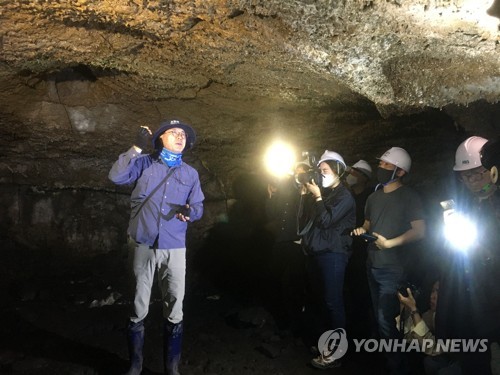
(420, 327)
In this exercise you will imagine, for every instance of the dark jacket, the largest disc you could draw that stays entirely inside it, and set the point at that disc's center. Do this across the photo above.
(281, 211)
(327, 223)
(469, 302)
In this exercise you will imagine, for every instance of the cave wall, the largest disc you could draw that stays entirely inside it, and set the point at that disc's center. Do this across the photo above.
(64, 132)
(79, 78)
(52, 211)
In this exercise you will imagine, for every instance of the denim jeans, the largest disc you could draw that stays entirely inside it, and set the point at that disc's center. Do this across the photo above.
(326, 273)
(383, 283)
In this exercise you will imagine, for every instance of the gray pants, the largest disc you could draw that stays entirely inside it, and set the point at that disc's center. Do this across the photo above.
(171, 266)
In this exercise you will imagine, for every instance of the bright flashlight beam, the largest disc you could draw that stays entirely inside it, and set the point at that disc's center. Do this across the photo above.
(460, 231)
(280, 159)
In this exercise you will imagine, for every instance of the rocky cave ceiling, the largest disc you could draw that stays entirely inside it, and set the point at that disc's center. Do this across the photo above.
(78, 76)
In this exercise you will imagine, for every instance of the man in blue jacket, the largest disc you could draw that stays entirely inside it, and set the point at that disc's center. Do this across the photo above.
(167, 195)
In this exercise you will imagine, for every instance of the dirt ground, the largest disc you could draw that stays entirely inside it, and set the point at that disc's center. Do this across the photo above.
(71, 320)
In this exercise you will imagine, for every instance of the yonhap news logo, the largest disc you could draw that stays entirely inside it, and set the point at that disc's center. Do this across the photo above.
(422, 345)
(333, 344)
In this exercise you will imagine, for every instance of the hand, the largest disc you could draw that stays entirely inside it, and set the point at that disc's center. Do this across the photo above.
(271, 189)
(143, 139)
(313, 188)
(382, 242)
(181, 217)
(183, 213)
(409, 301)
(358, 231)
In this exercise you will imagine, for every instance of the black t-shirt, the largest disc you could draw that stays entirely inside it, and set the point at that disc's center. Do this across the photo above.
(390, 215)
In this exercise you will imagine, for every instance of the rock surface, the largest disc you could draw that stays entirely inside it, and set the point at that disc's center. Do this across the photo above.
(78, 78)
(401, 55)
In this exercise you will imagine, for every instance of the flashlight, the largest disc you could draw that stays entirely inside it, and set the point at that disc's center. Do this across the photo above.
(280, 159)
(459, 230)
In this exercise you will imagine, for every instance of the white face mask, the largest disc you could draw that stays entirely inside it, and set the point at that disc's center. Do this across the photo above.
(351, 180)
(328, 180)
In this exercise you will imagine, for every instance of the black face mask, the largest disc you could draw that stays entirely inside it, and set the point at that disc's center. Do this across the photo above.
(384, 176)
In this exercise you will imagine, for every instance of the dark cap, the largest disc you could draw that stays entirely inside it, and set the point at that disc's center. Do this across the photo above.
(174, 123)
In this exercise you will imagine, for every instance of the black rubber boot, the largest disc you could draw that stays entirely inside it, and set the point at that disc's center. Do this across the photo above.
(172, 343)
(135, 338)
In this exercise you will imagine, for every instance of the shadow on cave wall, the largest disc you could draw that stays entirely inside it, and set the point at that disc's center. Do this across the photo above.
(234, 257)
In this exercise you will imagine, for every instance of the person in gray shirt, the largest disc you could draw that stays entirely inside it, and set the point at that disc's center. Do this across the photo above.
(395, 218)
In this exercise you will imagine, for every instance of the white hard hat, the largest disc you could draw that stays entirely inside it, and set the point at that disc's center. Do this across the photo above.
(332, 155)
(363, 167)
(399, 157)
(467, 155)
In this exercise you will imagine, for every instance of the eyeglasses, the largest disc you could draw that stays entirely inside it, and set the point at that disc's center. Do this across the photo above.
(473, 176)
(177, 134)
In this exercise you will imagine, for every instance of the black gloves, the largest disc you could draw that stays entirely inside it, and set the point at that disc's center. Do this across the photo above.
(184, 210)
(143, 140)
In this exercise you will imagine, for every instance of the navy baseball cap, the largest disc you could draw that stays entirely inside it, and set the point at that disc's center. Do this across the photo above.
(173, 123)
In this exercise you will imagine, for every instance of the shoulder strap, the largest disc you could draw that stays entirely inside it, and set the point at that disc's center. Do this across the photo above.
(154, 190)
(300, 213)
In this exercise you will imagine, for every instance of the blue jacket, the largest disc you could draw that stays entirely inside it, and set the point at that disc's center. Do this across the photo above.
(156, 218)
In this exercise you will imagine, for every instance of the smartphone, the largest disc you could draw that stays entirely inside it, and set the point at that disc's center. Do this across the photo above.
(368, 237)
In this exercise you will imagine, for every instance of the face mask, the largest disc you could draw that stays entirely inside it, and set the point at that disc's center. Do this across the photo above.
(328, 180)
(385, 176)
(351, 180)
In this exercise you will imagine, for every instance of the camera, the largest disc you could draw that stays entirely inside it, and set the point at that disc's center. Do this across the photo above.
(312, 174)
(415, 291)
(311, 157)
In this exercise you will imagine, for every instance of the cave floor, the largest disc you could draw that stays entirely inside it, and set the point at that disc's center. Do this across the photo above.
(72, 322)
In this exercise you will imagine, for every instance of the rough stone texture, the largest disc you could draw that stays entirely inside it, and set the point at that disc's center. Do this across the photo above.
(398, 54)
(79, 76)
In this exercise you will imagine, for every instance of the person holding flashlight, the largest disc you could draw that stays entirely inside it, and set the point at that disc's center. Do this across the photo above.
(468, 306)
(326, 215)
(286, 290)
(394, 216)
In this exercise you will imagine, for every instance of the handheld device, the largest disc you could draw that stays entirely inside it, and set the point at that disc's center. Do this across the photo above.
(183, 210)
(368, 237)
